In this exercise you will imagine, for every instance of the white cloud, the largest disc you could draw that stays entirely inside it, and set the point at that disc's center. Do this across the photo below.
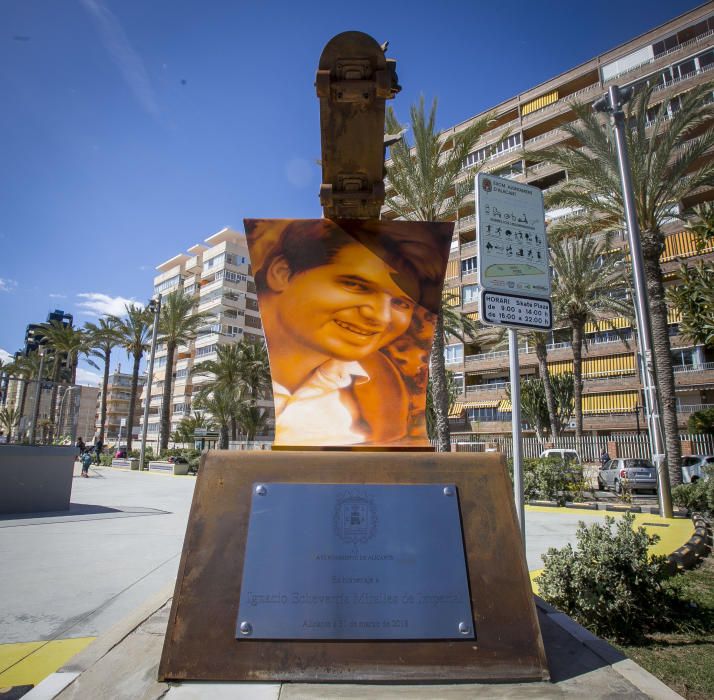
(84, 376)
(58, 296)
(5, 356)
(98, 304)
(123, 54)
(7, 285)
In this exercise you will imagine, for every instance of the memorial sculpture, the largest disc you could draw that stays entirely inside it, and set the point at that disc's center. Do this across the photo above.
(351, 551)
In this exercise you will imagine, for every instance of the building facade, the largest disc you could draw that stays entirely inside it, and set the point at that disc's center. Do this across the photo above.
(118, 399)
(217, 273)
(673, 58)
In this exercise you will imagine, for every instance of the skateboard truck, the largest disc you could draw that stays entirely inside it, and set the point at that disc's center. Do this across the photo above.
(353, 80)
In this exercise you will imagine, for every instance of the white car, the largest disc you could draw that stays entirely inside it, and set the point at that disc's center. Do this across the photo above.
(567, 456)
(693, 467)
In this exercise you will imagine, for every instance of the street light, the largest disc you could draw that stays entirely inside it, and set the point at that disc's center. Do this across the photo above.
(611, 103)
(155, 307)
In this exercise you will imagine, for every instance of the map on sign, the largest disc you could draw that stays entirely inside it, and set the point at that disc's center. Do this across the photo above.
(513, 266)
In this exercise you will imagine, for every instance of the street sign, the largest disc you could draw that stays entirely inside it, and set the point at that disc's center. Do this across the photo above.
(514, 310)
(513, 272)
(122, 422)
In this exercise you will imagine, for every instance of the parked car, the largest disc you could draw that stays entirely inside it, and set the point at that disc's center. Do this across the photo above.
(638, 474)
(567, 456)
(693, 467)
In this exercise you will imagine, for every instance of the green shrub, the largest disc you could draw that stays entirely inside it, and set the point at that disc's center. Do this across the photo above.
(547, 479)
(698, 496)
(610, 583)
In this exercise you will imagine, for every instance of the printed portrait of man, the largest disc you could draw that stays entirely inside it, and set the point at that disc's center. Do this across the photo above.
(348, 309)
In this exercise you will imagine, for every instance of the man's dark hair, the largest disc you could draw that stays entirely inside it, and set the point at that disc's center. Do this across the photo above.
(418, 250)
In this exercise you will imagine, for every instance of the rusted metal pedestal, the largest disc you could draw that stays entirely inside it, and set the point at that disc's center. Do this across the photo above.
(200, 643)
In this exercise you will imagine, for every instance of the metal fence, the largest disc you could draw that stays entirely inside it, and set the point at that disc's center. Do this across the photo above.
(628, 445)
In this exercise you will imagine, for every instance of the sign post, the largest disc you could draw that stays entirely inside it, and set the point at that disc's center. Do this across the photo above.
(514, 280)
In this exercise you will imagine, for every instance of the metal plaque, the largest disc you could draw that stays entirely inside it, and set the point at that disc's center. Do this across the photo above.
(350, 561)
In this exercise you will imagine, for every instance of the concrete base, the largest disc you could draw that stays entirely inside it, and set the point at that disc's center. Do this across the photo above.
(123, 663)
(35, 479)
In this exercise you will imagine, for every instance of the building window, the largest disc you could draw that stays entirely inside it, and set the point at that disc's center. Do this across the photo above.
(252, 321)
(469, 294)
(206, 350)
(468, 265)
(458, 379)
(181, 373)
(167, 284)
(454, 354)
(233, 330)
(477, 414)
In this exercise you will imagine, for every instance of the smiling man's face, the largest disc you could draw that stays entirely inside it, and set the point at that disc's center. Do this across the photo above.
(350, 307)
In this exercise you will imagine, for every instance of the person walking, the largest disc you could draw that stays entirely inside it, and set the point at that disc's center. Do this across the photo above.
(80, 447)
(86, 461)
(98, 448)
(604, 458)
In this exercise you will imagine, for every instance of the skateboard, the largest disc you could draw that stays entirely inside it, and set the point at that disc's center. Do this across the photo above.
(353, 80)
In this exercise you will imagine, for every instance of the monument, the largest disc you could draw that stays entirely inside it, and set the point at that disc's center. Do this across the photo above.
(352, 551)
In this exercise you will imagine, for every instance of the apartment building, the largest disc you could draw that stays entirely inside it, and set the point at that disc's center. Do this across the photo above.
(118, 400)
(673, 58)
(217, 272)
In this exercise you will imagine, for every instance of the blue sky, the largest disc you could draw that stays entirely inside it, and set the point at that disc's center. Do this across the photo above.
(132, 129)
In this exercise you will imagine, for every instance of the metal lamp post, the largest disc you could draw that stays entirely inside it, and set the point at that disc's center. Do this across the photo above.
(155, 306)
(612, 103)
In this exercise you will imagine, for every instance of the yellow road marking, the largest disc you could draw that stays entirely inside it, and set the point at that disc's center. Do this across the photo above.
(27, 663)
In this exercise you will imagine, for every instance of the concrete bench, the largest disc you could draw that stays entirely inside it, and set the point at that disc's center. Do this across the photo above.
(169, 468)
(130, 463)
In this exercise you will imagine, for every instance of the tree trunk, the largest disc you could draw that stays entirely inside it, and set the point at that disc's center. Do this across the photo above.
(132, 402)
(53, 396)
(234, 429)
(440, 389)
(23, 400)
(223, 437)
(166, 398)
(105, 386)
(542, 355)
(578, 333)
(662, 356)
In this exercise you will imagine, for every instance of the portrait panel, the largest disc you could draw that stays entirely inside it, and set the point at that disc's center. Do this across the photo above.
(349, 309)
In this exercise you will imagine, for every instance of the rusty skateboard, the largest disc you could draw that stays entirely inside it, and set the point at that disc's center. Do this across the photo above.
(354, 78)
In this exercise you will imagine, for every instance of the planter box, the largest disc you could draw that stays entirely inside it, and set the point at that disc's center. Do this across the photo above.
(168, 468)
(35, 479)
(130, 463)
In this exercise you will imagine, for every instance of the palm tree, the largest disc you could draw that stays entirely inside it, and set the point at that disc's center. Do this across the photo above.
(102, 338)
(22, 370)
(424, 180)
(187, 427)
(221, 404)
(668, 165)
(9, 420)
(586, 285)
(134, 330)
(252, 419)
(66, 343)
(254, 369)
(178, 324)
(498, 336)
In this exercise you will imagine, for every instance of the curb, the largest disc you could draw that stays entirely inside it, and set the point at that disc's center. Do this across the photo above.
(695, 549)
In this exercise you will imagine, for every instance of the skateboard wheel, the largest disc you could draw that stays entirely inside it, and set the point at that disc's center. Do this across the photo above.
(322, 83)
(326, 195)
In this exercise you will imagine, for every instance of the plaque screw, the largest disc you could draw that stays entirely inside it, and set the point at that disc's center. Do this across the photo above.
(448, 491)
(463, 628)
(246, 628)
(261, 490)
